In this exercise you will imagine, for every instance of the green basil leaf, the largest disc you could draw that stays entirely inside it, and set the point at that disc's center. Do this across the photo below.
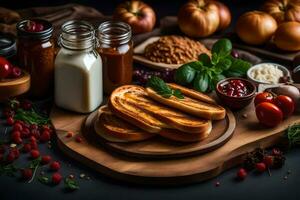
(214, 58)
(177, 93)
(222, 47)
(205, 59)
(240, 66)
(230, 73)
(224, 64)
(185, 74)
(201, 82)
(216, 79)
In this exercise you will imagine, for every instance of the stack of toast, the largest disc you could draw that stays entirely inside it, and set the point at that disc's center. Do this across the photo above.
(135, 113)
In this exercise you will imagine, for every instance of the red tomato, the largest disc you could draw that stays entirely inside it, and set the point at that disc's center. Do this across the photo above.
(268, 114)
(263, 97)
(5, 67)
(286, 104)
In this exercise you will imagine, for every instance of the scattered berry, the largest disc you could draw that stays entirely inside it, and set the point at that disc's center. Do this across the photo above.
(45, 137)
(46, 159)
(34, 127)
(78, 139)
(56, 178)
(16, 152)
(15, 135)
(55, 166)
(26, 174)
(32, 139)
(10, 157)
(18, 140)
(25, 132)
(17, 127)
(261, 167)
(242, 174)
(26, 148)
(34, 154)
(217, 184)
(34, 145)
(268, 160)
(10, 121)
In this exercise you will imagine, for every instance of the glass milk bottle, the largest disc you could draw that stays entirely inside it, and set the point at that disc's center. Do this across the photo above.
(78, 69)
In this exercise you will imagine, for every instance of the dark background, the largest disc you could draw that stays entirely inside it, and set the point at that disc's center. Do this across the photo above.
(256, 186)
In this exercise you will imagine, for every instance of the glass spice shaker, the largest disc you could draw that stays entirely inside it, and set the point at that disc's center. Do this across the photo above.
(36, 53)
(116, 50)
(78, 69)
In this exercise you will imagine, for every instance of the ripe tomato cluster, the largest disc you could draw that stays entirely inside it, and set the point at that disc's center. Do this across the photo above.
(271, 109)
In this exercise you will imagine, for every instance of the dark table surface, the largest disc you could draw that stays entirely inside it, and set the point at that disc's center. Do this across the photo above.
(256, 186)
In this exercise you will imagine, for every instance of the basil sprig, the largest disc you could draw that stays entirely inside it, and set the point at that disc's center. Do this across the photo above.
(207, 71)
(161, 88)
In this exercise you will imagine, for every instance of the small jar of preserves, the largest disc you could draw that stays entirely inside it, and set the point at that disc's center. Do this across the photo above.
(36, 53)
(116, 50)
(78, 69)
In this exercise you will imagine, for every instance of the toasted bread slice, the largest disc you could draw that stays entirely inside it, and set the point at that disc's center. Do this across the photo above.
(129, 112)
(133, 105)
(194, 103)
(180, 136)
(114, 129)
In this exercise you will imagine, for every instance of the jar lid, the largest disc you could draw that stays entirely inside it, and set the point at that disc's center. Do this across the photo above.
(7, 46)
(45, 34)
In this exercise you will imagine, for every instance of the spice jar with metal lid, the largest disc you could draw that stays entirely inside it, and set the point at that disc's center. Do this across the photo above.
(116, 50)
(8, 47)
(78, 69)
(36, 53)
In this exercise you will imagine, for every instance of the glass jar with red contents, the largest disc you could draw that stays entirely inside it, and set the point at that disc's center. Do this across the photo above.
(116, 51)
(36, 53)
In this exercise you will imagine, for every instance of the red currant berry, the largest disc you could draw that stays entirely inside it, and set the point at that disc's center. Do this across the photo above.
(261, 167)
(56, 178)
(10, 121)
(34, 153)
(241, 174)
(17, 126)
(55, 166)
(268, 160)
(10, 157)
(26, 148)
(45, 136)
(46, 159)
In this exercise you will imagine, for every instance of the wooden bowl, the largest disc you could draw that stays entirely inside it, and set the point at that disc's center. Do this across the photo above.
(14, 87)
(236, 103)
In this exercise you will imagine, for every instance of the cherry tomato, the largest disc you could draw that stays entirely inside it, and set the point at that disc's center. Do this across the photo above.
(268, 114)
(286, 104)
(263, 97)
(5, 67)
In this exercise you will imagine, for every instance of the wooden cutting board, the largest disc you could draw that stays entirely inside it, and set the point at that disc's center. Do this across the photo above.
(248, 136)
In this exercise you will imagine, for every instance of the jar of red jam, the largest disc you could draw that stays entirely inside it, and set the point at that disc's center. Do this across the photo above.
(116, 51)
(36, 53)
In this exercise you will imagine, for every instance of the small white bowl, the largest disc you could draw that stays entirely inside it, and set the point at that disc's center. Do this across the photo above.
(285, 71)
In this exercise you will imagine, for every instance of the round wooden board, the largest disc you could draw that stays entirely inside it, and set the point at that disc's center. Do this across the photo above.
(159, 147)
(247, 136)
(14, 87)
